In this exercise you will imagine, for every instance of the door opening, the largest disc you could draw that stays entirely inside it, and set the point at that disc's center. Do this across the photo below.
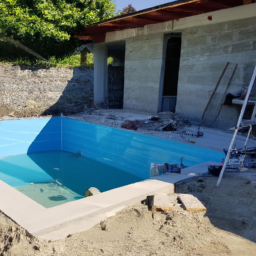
(171, 72)
(115, 83)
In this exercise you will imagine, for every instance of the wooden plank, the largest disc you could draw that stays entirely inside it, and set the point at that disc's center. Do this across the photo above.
(191, 203)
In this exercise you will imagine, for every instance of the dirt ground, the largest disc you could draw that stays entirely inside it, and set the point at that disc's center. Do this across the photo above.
(228, 228)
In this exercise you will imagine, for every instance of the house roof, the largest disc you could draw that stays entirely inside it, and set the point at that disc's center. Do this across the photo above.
(161, 13)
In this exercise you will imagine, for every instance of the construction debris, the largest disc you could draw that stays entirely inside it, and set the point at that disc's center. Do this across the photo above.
(131, 125)
(191, 203)
(110, 116)
(164, 124)
(166, 203)
(163, 121)
(162, 202)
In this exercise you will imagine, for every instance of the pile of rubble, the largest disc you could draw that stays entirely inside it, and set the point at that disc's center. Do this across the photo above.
(163, 121)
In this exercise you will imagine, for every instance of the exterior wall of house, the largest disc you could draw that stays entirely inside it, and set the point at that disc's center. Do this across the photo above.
(143, 61)
(204, 54)
(100, 73)
(207, 45)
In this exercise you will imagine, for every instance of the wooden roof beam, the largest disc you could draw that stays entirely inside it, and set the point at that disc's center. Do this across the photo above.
(143, 20)
(167, 15)
(219, 5)
(118, 23)
(191, 11)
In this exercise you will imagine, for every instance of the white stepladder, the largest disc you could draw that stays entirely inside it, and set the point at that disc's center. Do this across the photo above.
(237, 126)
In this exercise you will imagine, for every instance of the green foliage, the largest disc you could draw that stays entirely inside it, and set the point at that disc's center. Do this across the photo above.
(128, 9)
(48, 26)
(69, 62)
(110, 60)
(72, 61)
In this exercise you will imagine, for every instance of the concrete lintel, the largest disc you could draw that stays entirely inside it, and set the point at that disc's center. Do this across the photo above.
(235, 13)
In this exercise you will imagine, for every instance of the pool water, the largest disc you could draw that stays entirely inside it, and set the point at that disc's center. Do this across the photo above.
(57, 177)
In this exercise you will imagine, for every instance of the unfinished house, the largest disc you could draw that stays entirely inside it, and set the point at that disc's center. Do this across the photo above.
(171, 57)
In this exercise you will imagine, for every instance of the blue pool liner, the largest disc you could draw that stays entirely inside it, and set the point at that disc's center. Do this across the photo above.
(125, 150)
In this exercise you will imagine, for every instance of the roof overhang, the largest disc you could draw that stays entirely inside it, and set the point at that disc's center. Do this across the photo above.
(162, 13)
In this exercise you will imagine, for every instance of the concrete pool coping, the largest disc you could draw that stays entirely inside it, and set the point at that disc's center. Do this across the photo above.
(77, 216)
(57, 222)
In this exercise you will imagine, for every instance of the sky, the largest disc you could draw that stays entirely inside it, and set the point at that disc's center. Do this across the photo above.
(139, 4)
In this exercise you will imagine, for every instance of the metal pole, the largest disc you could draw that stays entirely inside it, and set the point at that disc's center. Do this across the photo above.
(237, 126)
(230, 80)
(249, 133)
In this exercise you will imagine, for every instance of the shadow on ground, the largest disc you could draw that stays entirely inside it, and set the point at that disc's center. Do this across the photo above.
(230, 207)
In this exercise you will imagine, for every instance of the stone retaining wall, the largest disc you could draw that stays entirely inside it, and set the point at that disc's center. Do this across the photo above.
(30, 91)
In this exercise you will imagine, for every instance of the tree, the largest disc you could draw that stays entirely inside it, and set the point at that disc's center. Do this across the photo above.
(128, 9)
(48, 26)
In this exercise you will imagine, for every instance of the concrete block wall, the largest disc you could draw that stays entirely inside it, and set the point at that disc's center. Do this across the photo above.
(30, 91)
(207, 45)
(143, 62)
(205, 52)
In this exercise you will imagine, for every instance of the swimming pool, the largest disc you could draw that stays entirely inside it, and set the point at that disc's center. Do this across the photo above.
(57, 177)
(121, 156)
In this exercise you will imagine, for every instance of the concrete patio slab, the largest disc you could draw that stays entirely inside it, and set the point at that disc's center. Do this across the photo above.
(198, 169)
(187, 173)
(171, 178)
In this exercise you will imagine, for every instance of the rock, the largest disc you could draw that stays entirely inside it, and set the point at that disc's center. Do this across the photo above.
(172, 126)
(91, 192)
(111, 117)
(200, 179)
(103, 225)
(31, 103)
(36, 247)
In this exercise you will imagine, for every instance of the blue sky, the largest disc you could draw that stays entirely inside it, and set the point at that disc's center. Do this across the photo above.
(139, 4)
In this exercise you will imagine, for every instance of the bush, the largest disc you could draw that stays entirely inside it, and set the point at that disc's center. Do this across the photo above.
(10, 54)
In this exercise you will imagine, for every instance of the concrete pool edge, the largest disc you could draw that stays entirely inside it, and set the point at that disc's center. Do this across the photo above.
(77, 216)
(57, 222)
